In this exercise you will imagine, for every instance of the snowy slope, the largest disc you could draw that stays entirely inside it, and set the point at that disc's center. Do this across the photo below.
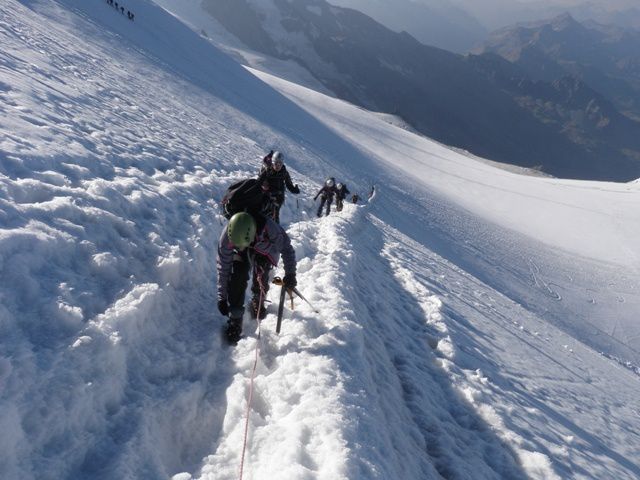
(436, 353)
(194, 13)
(565, 249)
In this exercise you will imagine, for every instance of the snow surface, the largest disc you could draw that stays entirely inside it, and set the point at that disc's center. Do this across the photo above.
(474, 323)
(194, 14)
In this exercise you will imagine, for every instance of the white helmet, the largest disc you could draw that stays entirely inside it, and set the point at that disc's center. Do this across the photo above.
(277, 158)
(330, 182)
(339, 186)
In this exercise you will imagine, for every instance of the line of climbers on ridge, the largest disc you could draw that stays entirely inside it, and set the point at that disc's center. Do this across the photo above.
(121, 9)
(253, 240)
(328, 190)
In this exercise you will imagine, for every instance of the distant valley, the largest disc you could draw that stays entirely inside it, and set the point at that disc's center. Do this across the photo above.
(509, 102)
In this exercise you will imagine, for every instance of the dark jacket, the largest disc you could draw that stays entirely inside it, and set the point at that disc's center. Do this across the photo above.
(342, 193)
(278, 180)
(271, 241)
(326, 192)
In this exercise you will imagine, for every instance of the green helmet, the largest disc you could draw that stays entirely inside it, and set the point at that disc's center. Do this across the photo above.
(241, 230)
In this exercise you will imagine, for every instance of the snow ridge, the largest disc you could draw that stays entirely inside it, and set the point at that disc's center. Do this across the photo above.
(367, 358)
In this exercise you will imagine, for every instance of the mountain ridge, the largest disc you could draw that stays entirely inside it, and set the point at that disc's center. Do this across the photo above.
(443, 95)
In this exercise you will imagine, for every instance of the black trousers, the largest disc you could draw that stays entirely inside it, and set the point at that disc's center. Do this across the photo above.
(276, 212)
(271, 207)
(324, 199)
(243, 263)
(278, 200)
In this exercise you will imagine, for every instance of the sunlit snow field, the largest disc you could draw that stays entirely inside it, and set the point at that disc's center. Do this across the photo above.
(474, 323)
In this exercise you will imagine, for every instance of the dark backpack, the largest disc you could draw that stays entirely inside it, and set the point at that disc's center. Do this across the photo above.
(243, 196)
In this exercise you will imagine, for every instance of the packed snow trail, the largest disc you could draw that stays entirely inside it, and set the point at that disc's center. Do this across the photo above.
(352, 360)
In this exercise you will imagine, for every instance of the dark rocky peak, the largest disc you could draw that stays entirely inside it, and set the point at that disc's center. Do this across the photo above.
(565, 30)
(564, 22)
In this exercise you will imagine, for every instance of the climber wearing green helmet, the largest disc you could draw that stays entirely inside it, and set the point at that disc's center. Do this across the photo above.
(241, 230)
(250, 241)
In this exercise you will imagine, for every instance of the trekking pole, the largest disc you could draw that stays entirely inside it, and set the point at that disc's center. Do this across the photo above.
(278, 281)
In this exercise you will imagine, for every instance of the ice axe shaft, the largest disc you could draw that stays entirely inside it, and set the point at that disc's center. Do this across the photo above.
(280, 309)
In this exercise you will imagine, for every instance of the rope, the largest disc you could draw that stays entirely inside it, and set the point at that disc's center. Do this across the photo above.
(253, 374)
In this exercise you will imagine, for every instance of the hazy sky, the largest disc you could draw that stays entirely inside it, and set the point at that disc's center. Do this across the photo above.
(461, 25)
(499, 13)
(494, 14)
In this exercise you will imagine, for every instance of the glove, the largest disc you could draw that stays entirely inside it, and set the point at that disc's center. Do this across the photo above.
(223, 307)
(289, 281)
(296, 189)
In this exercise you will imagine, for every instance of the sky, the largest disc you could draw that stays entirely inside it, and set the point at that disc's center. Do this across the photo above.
(463, 25)
(474, 321)
(499, 13)
(495, 14)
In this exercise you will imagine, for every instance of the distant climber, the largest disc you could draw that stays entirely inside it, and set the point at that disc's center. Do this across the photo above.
(275, 173)
(326, 195)
(341, 193)
(120, 8)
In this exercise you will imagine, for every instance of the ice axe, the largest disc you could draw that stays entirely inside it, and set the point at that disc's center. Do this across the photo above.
(278, 281)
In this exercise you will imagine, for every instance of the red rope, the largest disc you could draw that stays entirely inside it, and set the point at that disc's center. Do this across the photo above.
(253, 375)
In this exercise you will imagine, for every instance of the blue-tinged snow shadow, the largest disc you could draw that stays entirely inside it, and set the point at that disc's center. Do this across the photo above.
(503, 258)
(111, 372)
(468, 304)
